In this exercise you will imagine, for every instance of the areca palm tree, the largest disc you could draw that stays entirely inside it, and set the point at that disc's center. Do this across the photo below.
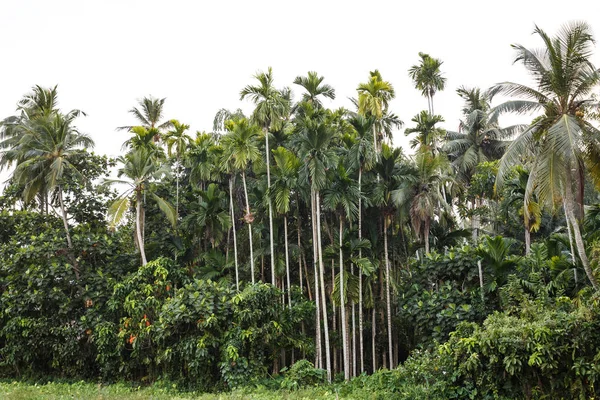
(211, 216)
(272, 106)
(428, 78)
(561, 143)
(314, 86)
(280, 192)
(313, 138)
(342, 197)
(387, 169)
(47, 146)
(373, 100)
(140, 167)
(362, 158)
(240, 148)
(177, 142)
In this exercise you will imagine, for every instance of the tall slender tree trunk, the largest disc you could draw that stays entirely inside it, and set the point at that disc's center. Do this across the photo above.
(299, 253)
(387, 291)
(527, 240)
(322, 278)
(138, 222)
(319, 345)
(235, 254)
(63, 212)
(177, 189)
(374, 334)
(287, 261)
(343, 306)
(480, 269)
(573, 257)
(249, 226)
(268, 156)
(577, 233)
(426, 234)
(360, 278)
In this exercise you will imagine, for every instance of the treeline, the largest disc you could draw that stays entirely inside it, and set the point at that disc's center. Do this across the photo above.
(300, 232)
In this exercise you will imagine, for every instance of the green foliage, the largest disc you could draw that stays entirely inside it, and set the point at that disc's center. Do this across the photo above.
(302, 373)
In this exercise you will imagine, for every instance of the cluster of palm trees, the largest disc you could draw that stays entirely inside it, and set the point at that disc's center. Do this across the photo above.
(343, 208)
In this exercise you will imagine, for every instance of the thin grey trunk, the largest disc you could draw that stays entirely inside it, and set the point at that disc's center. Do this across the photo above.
(235, 255)
(267, 156)
(481, 280)
(570, 233)
(249, 226)
(323, 297)
(343, 307)
(528, 240)
(387, 291)
(319, 347)
(360, 279)
(177, 189)
(287, 261)
(577, 234)
(138, 222)
(373, 336)
(299, 253)
(64, 217)
(426, 234)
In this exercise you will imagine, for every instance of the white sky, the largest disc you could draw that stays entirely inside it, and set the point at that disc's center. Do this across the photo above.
(104, 55)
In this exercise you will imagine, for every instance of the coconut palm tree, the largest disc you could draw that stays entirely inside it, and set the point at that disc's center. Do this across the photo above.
(561, 143)
(428, 78)
(240, 148)
(313, 140)
(140, 167)
(427, 132)
(47, 146)
(149, 115)
(314, 86)
(177, 142)
(272, 106)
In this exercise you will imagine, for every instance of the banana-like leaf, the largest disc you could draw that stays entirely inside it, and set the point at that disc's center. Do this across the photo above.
(117, 211)
(166, 208)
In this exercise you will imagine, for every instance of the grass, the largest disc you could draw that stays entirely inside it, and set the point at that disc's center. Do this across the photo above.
(90, 391)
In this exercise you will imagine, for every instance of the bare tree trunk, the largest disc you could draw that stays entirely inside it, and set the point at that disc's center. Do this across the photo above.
(300, 254)
(322, 278)
(426, 234)
(374, 335)
(360, 278)
(387, 290)
(573, 257)
(343, 307)
(138, 222)
(235, 254)
(481, 280)
(318, 345)
(287, 261)
(267, 156)
(527, 240)
(249, 226)
(577, 234)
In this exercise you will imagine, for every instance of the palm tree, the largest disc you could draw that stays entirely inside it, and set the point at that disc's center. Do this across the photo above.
(202, 158)
(314, 136)
(420, 191)
(47, 146)
(280, 192)
(387, 169)
(479, 139)
(362, 158)
(561, 143)
(212, 215)
(272, 106)
(428, 78)
(427, 132)
(240, 148)
(178, 141)
(140, 167)
(342, 196)
(149, 115)
(313, 84)
(373, 100)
